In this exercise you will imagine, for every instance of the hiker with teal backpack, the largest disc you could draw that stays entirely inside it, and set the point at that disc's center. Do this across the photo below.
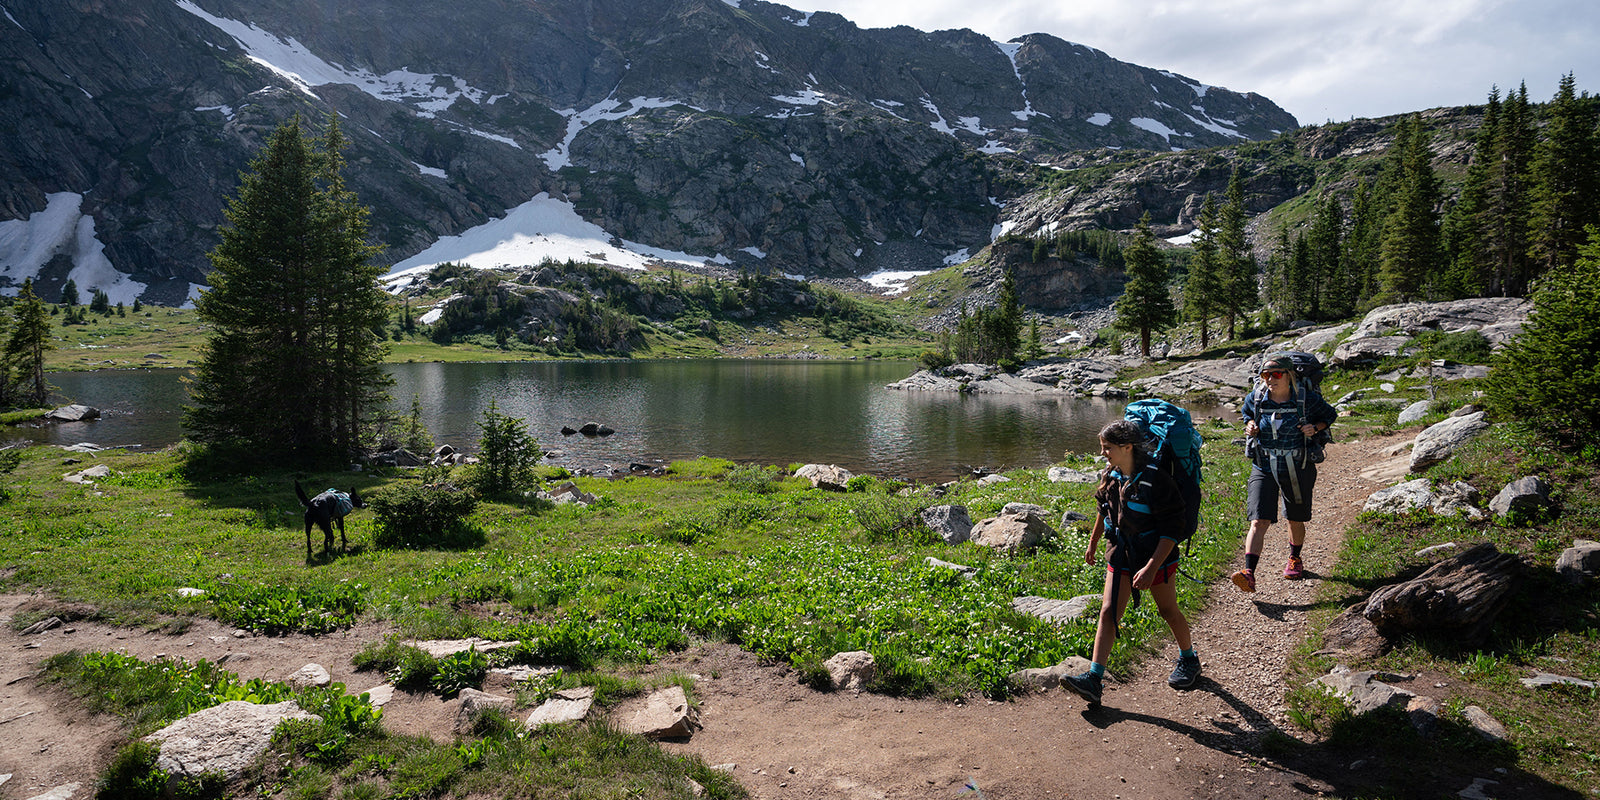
(1143, 515)
(1286, 423)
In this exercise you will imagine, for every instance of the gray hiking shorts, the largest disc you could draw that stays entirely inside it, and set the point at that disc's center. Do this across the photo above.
(1265, 491)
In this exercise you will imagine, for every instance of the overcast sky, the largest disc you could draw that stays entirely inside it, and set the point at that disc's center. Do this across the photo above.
(1321, 60)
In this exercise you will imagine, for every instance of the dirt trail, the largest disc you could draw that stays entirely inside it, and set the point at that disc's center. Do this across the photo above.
(784, 740)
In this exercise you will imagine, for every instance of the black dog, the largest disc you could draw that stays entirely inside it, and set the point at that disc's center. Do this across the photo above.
(324, 510)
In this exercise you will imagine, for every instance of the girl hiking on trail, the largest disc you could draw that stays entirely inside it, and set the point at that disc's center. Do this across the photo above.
(1280, 418)
(1141, 513)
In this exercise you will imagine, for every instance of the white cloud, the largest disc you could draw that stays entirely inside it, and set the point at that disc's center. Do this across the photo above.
(1319, 59)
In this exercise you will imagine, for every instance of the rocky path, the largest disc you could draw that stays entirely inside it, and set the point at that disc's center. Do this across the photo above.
(783, 740)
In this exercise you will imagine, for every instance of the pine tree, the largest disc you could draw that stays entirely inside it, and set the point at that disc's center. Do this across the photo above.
(25, 349)
(69, 293)
(1205, 291)
(1411, 246)
(1362, 244)
(1146, 303)
(1466, 225)
(1506, 235)
(1549, 376)
(1241, 292)
(1564, 180)
(1324, 264)
(290, 368)
(506, 453)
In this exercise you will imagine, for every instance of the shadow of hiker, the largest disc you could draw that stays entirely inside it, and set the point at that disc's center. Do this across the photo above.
(1316, 768)
(1227, 737)
(1278, 611)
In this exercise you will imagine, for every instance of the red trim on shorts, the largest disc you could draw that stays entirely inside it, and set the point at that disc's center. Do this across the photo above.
(1163, 575)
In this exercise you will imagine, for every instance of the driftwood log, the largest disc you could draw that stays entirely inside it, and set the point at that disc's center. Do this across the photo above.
(1459, 597)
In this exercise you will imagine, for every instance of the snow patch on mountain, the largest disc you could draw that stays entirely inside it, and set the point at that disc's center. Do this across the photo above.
(61, 230)
(542, 228)
(429, 93)
(608, 109)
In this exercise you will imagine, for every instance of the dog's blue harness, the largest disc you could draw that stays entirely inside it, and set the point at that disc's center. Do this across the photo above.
(340, 501)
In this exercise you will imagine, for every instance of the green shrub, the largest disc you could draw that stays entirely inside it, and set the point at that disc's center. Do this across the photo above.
(751, 478)
(1548, 378)
(935, 360)
(406, 666)
(417, 516)
(278, 610)
(506, 454)
(463, 670)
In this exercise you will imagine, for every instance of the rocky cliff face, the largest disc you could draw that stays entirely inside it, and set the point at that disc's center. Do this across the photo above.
(791, 142)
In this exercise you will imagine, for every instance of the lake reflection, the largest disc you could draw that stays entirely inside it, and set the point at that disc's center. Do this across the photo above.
(768, 412)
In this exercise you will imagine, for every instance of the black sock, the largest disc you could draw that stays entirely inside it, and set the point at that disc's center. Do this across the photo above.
(1251, 560)
(1294, 550)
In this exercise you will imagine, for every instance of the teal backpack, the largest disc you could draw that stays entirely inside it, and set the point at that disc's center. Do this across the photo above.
(1174, 444)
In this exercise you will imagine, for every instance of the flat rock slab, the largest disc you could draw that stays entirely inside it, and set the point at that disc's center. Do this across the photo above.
(665, 714)
(1050, 609)
(1546, 679)
(439, 648)
(224, 738)
(569, 705)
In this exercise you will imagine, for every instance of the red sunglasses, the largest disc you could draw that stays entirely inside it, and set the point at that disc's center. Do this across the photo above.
(1273, 374)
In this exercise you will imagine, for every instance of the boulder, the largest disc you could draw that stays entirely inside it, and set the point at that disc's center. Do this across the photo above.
(951, 522)
(1224, 377)
(1485, 724)
(474, 703)
(568, 705)
(1363, 691)
(1355, 352)
(665, 714)
(829, 477)
(1069, 475)
(1580, 562)
(852, 670)
(1414, 412)
(1455, 498)
(1010, 533)
(225, 738)
(569, 493)
(1045, 679)
(310, 675)
(88, 476)
(1525, 495)
(1439, 441)
(1477, 313)
(72, 413)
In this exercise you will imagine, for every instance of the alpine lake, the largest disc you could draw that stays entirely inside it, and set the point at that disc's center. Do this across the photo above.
(765, 411)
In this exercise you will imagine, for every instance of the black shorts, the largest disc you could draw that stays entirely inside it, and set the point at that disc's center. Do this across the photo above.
(1266, 487)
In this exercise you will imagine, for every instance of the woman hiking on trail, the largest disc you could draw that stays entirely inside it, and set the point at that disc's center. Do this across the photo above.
(1142, 514)
(1281, 419)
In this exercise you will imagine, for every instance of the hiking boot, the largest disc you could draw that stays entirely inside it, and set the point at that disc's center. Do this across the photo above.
(1295, 569)
(1085, 685)
(1245, 579)
(1186, 674)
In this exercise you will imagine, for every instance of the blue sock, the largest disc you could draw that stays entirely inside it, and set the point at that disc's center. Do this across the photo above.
(1097, 669)
(1186, 653)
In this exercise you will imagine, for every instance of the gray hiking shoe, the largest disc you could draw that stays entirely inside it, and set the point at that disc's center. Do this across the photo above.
(1186, 674)
(1085, 685)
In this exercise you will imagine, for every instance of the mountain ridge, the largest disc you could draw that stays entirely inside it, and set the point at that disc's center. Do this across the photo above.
(747, 133)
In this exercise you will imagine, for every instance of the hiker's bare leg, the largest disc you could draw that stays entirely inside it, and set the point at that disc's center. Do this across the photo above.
(1256, 538)
(1166, 596)
(1297, 533)
(1105, 631)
